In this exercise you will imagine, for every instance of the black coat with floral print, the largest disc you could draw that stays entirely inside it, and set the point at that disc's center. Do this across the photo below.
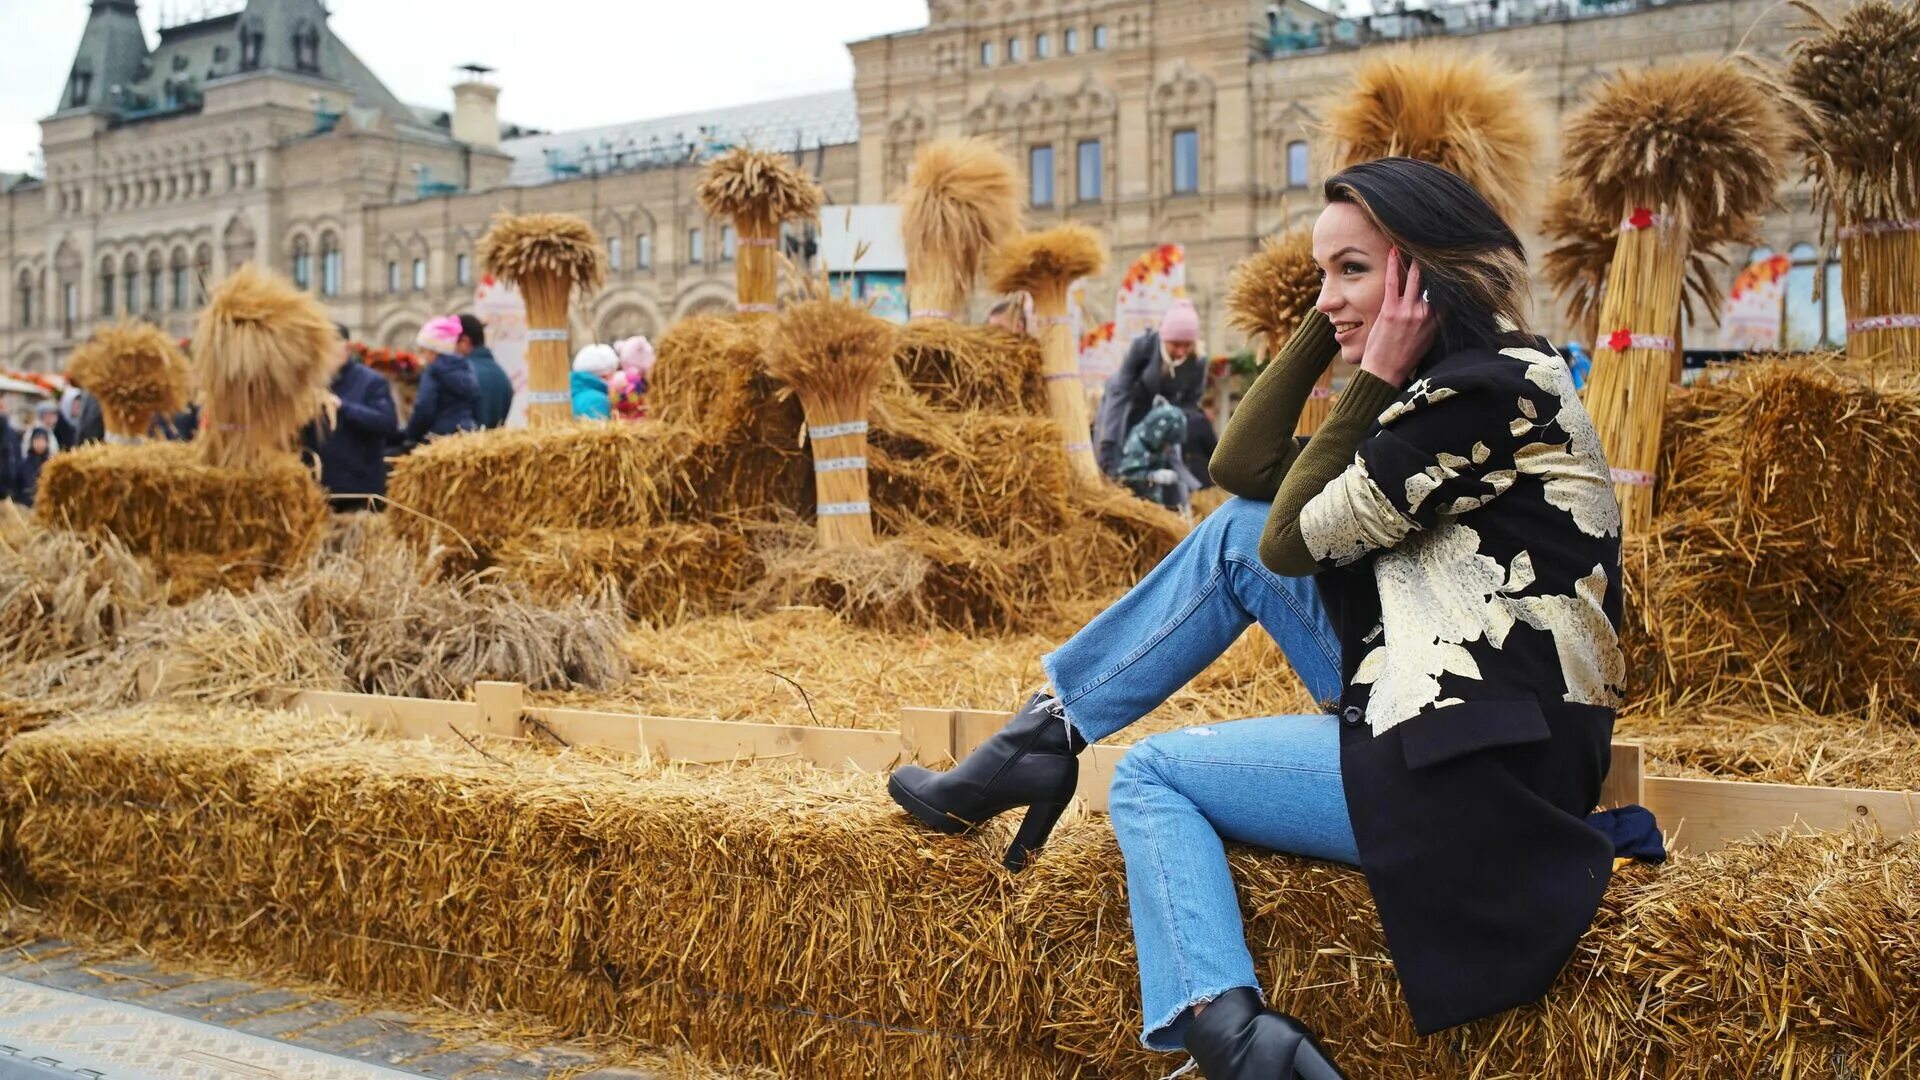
(1470, 559)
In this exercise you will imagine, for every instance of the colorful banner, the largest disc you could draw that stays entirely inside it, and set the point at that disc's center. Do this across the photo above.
(1151, 285)
(1751, 316)
(500, 308)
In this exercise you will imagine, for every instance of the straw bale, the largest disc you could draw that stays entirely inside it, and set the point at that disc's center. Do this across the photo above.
(264, 355)
(484, 489)
(994, 477)
(201, 525)
(402, 869)
(224, 648)
(63, 593)
(1866, 749)
(136, 371)
(955, 367)
(1468, 112)
(711, 377)
(661, 573)
(1047, 261)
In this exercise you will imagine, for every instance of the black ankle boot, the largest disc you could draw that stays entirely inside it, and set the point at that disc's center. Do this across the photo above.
(1030, 763)
(1234, 1038)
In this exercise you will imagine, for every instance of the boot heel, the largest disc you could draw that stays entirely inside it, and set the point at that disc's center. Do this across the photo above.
(1033, 832)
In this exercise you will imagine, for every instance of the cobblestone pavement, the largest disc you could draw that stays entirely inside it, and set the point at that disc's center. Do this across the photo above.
(324, 1031)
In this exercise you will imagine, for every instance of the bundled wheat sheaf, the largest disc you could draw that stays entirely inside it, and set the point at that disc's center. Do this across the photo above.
(1273, 290)
(1467, 112)
(520, 247)
(650, 878)
(754, 185)
(1585, 240)
(136, 371)
(1046, 262)
(264, 354)
(961, 201)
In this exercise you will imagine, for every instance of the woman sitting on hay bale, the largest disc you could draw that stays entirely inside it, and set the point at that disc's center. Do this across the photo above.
(1441, 565)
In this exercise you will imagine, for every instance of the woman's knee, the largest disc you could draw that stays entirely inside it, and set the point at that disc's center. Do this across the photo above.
(1238, 522)
(1138, 771)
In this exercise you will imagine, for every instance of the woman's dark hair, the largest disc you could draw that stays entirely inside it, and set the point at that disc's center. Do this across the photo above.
(1472, 266)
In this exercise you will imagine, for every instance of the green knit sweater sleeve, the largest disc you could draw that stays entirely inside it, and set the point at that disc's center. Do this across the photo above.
(1258, 446)
(1326, 456)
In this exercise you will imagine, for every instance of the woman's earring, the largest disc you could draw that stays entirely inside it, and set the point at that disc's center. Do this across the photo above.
(1423, 297)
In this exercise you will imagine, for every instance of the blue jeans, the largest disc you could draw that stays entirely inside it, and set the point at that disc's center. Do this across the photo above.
(1176, 798)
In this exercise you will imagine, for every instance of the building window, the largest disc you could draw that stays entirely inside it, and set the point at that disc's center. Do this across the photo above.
(156, 281)
(643, 252)
(1070, 41)
(463, 268)
(179, 273)
(1297, 163)
(69, 307)
(106, 291)
(306, 48)
(1099, 38)
(1040, 175)
(330, 265)
(1015, 50)
(233, 177)
(1186, 161)
(130, 281)
(986, 54)
(82, 85)
(393, 276)
(419, 274)
(728, 246)
(1090, 171)
(1836, 301)
(251, 173)
(202, 274)
(696, 248)
(613, 254)
(252, 39)
(1042, 46)
(302, 263)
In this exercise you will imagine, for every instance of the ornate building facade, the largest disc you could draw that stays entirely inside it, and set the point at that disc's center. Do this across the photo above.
(258, 135)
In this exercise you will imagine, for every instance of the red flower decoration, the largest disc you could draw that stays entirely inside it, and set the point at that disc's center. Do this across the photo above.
(1642, 218)
(1620, 340)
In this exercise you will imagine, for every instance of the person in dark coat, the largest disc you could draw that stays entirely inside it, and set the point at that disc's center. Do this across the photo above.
(93, 422)
(180, 427)
(350, 443)
(9, 457)
(449, 398)
(26, 477)
(496, 390)
(1440, 564)
(47, 415)
(66, 433)
(1163, 364)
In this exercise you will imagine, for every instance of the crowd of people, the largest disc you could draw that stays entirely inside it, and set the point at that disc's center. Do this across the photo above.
(462, 388)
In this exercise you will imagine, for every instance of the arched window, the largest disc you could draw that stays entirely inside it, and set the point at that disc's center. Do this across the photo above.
(178, 266)
(393, 275)
(330, 264)
(156, 284)
(1015, 50)
(107, 280)
(1297, 163)
(1099, 37)
(613, 254)
(1042, 46)
(419, 274)
(1070, 40)
(25, 293)
(302, 263)
(463, 268)
(202, 273)
(643, 252)
(729, 247)
(130, 283)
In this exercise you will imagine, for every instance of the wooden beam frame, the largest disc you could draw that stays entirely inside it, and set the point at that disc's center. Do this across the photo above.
(1697, 814)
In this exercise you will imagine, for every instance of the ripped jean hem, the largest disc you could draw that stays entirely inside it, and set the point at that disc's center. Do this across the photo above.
(1169, 1035)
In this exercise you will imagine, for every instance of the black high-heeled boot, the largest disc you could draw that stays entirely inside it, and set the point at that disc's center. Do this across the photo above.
(1234, 1038)
(1031, 762)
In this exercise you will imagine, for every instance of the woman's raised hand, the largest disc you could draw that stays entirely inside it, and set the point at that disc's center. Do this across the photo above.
(1403, 331)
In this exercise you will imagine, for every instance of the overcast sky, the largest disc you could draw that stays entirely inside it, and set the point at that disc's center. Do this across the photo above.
(563, 63)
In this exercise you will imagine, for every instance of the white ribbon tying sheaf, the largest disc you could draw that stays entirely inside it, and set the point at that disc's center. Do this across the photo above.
(1642, 341)
(1062, 376)
(932, 313)
(547, 397)
(839, 464)
(755, 309)
(847, 509)
(1076, 447)
(1879, 227)
(834, 431)
(547, 335)
(1883, 322)
(1632, 477)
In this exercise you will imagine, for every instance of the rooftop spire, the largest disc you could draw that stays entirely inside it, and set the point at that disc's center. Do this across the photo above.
(113, 50)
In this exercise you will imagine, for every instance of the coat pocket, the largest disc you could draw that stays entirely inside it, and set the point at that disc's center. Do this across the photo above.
(1444, 734)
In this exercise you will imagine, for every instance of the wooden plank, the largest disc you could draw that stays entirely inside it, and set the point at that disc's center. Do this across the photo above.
(587, 727)
(926, 736)
(1096, 775)
(1625, 777)
(400, 716)
(714, 742)
(1701, 815)
(975, 726)
(500, 705)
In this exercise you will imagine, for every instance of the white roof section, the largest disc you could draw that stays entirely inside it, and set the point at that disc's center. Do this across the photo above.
(806, 122)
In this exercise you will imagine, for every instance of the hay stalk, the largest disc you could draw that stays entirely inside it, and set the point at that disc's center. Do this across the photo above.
(1045, 265)
(1270, 294)
(136, 371)
(960, 202)
(757, 191)
(546, 256)
(264, 354)
(1633, 357)
(834, 355)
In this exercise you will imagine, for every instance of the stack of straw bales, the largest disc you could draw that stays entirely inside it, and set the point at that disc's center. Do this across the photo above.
(308, 844)
(1782, 570)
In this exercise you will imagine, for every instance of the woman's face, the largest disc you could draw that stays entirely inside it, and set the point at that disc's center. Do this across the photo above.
(39, 444)
(1353, 261)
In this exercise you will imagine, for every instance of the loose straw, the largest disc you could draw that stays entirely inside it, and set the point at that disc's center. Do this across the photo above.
(1633, 360)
